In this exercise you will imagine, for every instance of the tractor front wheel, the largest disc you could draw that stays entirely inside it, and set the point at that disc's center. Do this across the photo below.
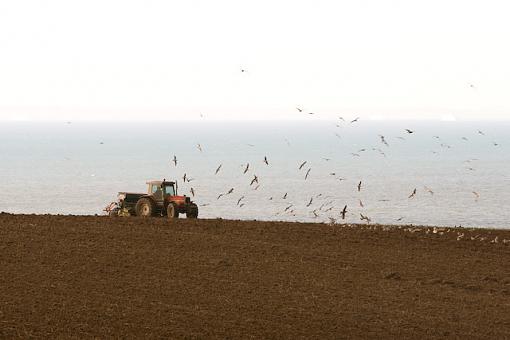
(192, 211)
(171, 211)
(145, 207)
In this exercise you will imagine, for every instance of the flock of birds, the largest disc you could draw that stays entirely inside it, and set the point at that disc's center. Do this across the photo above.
(332, 212)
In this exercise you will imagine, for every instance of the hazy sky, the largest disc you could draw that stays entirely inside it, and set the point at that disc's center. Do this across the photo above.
(68, 60)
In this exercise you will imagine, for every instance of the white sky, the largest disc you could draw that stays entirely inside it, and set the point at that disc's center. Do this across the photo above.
(98, 59)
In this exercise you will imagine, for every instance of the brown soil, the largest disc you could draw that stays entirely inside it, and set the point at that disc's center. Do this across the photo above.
(84, 277)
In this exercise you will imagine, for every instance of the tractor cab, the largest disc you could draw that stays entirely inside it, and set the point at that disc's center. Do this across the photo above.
(160, 190)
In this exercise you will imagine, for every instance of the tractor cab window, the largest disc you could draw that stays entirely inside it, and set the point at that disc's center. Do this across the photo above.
(169, 190)
(155, 189)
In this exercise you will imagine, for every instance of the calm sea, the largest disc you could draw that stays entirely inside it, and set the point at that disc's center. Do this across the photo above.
(460, 170)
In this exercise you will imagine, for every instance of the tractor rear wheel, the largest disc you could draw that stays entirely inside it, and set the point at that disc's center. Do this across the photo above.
(171, 211)
(145, 207)
(192, 211)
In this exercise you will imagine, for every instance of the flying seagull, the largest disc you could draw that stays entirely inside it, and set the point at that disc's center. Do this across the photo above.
(308, 173)
(409, 131)
(247, 167)
(359, 186)
(192, 192)
(429, 190)
(284, 196)
(366, 218)
(230, 191)
(413, 193)
(199, 147)
(343, 212)
(175, 160)
(239, 200)
(355, 120)
(383, 140)
(218, 169)
(302, 165)
(254, 180)
(477, 195)
(265, 160)
(310, 203)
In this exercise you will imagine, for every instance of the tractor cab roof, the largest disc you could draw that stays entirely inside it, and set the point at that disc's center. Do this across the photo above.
(160, 183)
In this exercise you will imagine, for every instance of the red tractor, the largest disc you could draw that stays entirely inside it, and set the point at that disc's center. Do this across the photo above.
(161, 199)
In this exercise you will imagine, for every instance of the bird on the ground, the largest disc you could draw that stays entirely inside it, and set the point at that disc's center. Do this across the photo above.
(192, 192)
(239, 200)
(218, 169)
(302, 165)
(343, 212)
(247, 167)
(359, 186)
(254, 180)
(409, 131)
(175, 160)
(310, 203)
(413, 193)
(308, 173)
(265, 160)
